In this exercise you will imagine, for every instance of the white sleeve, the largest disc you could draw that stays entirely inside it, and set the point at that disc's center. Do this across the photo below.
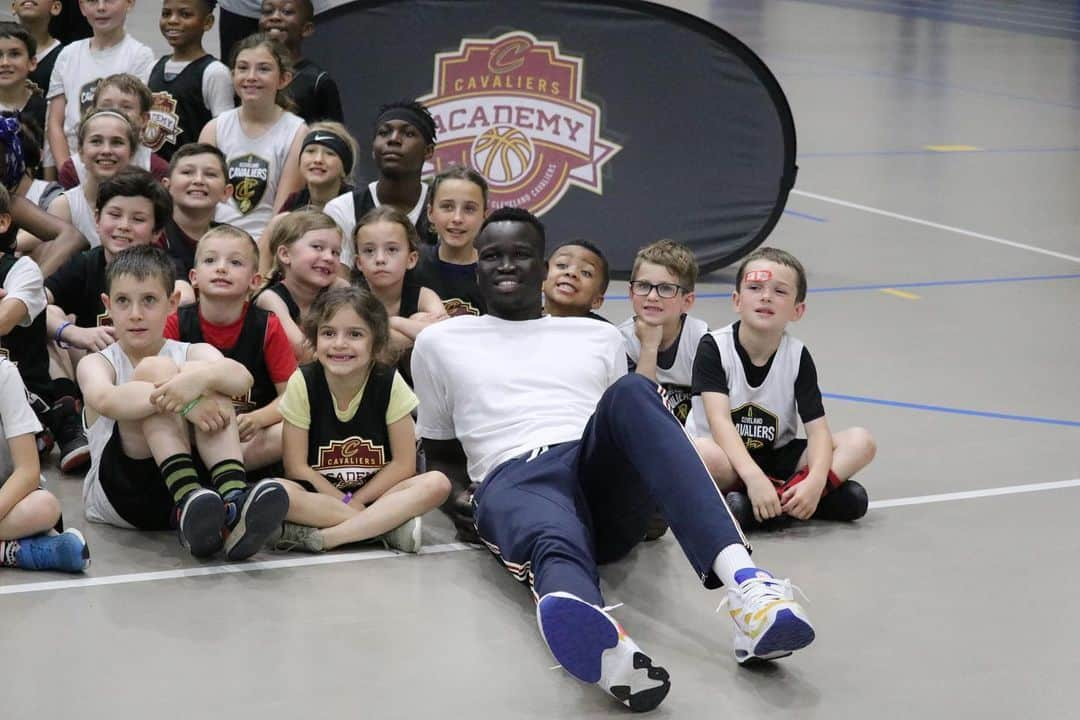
(343, 212)
(15, 413)
(24, 282)
(56, 80)
(217, 88)
(435, 418)
(618, 355)
(142, 62)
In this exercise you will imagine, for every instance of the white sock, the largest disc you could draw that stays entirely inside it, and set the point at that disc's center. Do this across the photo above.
(730, 560)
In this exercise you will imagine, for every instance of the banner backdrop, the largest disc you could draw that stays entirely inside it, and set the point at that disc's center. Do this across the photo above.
(619, 121)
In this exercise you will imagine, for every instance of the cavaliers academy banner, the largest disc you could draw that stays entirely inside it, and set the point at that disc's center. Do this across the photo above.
(618, 121)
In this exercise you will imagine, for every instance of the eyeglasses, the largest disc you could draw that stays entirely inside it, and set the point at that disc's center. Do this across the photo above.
(663, 290)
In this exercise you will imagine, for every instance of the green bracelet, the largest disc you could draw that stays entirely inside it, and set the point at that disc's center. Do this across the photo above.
(188, 408)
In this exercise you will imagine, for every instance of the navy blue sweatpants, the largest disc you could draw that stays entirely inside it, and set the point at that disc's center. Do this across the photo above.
(554, 514)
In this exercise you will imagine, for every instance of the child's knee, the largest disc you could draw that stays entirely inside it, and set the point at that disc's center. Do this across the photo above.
(436, 485)
(43, 507)
(863, 441)
(155, 369)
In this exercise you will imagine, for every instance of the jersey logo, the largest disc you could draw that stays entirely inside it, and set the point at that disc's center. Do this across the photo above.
(243, 403)
(349, 463)
(512, 107)
(755, 425)
(103, 319)
(164, 124)
(677, 399)
(249, 176)
(456, 306)
(86, 95)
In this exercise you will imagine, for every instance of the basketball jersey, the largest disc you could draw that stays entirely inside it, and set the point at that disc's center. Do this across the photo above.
(765, 416)
(82, 215)
(676, 380)
(282, 292)
(348, 452)
(179, 111)
(248, 351)
(86, 271)
(366, 199)
(254, 168)
(455, 284)
(98, 507)
(25, 345)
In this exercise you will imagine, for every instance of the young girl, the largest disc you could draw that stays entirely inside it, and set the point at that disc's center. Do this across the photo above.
(28, 512)
(458, 204)
(305, 246)
(348, 440)
(260, 139)
(386, 249)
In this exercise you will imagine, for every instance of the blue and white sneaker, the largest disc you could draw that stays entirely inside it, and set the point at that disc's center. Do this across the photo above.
(200, 519)
(769, 623)
(67, 552)
(591, 646)
(254, 516)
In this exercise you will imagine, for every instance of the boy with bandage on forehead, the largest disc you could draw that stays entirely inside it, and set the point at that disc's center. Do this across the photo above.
(752, 383)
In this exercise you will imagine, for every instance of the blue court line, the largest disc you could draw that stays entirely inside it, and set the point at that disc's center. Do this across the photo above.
(952, 411)
(805, 216)
(896, 286)
(977, 151)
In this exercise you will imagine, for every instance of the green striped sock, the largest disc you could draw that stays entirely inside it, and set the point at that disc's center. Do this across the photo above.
(228, 477)
(180, 475)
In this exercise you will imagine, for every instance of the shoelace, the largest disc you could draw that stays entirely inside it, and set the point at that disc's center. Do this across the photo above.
(609, 608)
(758, 590)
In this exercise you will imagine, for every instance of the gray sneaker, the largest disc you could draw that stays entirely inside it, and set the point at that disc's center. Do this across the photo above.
(405, 537)
(296, 537)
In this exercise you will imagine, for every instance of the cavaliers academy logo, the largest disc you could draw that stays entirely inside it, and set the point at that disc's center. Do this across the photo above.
(103, 319)
(164, 124)
(86, 95)
(349, 463)
(512, 109)
(248, 175)
(677, 399)
(456, 306)
(756, 426)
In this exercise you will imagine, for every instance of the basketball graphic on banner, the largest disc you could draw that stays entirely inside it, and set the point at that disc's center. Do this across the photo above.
(502, 154)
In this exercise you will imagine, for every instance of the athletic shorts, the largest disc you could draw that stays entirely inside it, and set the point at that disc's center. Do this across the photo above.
(781, 463)
(134, 488)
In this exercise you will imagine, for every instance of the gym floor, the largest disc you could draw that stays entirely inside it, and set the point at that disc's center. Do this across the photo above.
(936, 210)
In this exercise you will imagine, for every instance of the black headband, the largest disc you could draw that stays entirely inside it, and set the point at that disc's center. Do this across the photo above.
(415, 118)
(333, 142)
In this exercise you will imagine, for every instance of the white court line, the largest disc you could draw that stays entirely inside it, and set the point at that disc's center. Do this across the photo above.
(335, 558)
(937, 226)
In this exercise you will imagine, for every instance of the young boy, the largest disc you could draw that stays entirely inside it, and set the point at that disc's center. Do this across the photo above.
(225, 274)
(752, 383)
(404, 140)
(577, 278)
(35, 16)
(196, 183)
(81, 65)
(28, 511)
(312, 89)
(131, 209)
(149, 403)
(129, 96)
(190, 86)
(17, 51)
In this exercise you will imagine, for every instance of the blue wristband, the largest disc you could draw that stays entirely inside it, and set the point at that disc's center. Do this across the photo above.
(60, 343)
(346, 498)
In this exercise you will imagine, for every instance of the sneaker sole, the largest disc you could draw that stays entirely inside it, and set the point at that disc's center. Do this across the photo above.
(201, 522)
(787, 634)
(578, 635)
(75, 459)
(261, 515)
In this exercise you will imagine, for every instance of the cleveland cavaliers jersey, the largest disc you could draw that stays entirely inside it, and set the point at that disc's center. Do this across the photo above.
(676, 379)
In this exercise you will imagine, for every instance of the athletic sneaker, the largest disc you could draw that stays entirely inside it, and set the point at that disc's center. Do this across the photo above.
(405, 537)
(847, 502)
(74, 449)
(67, 551)
(741, 507)
(769, 623)
(591, 646)
(201, 516)
(256, 513)
(291, 536)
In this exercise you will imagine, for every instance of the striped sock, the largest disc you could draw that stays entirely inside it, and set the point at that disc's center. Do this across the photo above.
(228, 477)
(180, 475)
(9, 553)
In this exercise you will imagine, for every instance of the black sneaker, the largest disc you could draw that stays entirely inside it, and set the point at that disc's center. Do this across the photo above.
(846, 502)
(461, 510)
(742, 509)
(256, 514)
(74, 450)
(201, 517)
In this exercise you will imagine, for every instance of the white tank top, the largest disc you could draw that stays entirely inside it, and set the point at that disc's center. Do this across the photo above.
(254, 168)
(675, 380)
(99, 434)
(82, 215)
(766, 416)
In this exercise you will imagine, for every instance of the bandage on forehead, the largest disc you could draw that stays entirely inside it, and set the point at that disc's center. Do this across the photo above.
(758, 276)
(332, 142)
(415, 118)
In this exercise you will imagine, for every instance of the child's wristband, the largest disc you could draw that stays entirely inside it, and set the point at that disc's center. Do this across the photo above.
(346, 498)
(59, 342)
(190, 406)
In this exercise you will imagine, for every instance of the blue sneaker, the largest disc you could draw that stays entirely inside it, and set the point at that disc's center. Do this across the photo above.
(255, 515)
(769, 622)
(591, 646)
(67, 552)
(200, 522)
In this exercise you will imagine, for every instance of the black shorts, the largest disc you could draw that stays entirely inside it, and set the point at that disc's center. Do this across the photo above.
(781, 463)
(135, 488)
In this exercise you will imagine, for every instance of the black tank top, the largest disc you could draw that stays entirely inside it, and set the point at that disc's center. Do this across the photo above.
(248, 351)
(179, 111)
(282, 292)
(348, 452)
(25, 345)
(363, 201)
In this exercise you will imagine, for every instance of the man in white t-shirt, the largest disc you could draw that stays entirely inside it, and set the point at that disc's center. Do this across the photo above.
(572, 456)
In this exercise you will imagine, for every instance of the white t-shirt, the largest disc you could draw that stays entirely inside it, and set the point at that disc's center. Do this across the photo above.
(16, 417)
(217, 84)
(505, 387)
(25, 282)
(82, 215)
(342, 210)
(78, 70)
